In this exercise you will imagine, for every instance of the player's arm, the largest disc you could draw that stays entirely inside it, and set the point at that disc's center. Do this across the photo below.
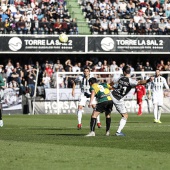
(92, 97)
(143, 82)
(165, 84)
(74, 85)
(110, 85)
(73, 88)
(144, 90)
(149, 91)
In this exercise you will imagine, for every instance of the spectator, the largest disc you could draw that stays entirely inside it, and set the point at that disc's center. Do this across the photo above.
(113, 27)
(167, 12)
(162, 27)
(14, 77)
(2, 26)
(31, 81)
(140, 27)
(17, 16)
(76, 68)
(8, 68)
(147, 67)
(155, 27)
(68, 65)
(49, 70)
(96, 27)
(57, 66)
(104, 26)
(57, 26)
(168, 26)
(157, 17)
(19, 70)
(131, 27)
(21, 26)
(161, 66)
(148, 28)
(46, 80)
(122, 8)
(44, 26)
(73, 27)
(113, 66)
(35, 27)
(131, 7)
(148, 12)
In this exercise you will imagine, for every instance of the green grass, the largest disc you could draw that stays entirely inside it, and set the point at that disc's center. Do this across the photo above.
(53, 142)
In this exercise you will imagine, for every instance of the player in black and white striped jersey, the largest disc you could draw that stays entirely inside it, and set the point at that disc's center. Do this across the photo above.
(156, 89)
(85, 96)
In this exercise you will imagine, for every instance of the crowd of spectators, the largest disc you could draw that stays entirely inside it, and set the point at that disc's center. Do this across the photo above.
(24, 76)
(36, 17)
(131, 16)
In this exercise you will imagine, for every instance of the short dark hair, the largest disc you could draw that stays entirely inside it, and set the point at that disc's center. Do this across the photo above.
(92, 80)
(126, 69)
(86, 68)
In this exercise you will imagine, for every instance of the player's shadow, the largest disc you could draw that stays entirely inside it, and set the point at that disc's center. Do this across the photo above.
(137, 122)
(62, 134)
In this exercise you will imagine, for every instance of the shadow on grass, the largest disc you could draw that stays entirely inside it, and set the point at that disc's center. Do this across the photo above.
(62, 134)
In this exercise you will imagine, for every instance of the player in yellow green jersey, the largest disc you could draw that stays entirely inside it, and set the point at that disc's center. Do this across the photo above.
(104, 104)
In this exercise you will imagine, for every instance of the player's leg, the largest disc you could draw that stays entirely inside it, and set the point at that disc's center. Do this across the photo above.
(98, 122)
(139, 102)
(81, 104)
(93, 123)
(160, 103)
(98, 117)
(108, 117)
(159, 113)
(79, 116)
(155, 99)
(120, 107)
(1, 121)
(122, 124)
(155, 112)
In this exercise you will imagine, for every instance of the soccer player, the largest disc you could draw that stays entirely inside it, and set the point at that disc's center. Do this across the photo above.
(85, 96)
(121, 89)
(140, 91)
(104, 104)
(1, 86)
(156, 88)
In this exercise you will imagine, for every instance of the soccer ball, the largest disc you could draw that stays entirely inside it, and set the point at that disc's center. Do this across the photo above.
(63, 38)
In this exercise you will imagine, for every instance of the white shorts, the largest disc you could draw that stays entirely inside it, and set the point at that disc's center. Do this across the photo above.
(157, 99)
(83, 100)
(119, 104)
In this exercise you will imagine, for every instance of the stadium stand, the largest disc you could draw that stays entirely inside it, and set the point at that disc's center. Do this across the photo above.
(82, 16)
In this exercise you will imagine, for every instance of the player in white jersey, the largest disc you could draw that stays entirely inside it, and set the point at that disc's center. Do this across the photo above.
(85, 96)
(156, 88)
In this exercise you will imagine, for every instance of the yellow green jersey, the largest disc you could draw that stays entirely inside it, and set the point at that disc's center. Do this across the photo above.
(102, 92)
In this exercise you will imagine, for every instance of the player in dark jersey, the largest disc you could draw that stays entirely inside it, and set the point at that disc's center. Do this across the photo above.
(104, 104)
(121, 89)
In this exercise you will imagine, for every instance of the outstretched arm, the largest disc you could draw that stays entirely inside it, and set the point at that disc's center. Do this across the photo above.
(142, 82)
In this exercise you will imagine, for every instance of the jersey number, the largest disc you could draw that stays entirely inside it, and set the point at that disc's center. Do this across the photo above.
(101, 88)
(124, 90)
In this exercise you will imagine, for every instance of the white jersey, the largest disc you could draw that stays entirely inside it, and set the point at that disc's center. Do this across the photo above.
(85, 87)
(157, 85)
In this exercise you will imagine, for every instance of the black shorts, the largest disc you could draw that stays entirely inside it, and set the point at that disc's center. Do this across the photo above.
(105, 107)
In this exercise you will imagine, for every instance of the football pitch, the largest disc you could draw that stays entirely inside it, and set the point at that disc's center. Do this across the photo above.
(52, 142)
